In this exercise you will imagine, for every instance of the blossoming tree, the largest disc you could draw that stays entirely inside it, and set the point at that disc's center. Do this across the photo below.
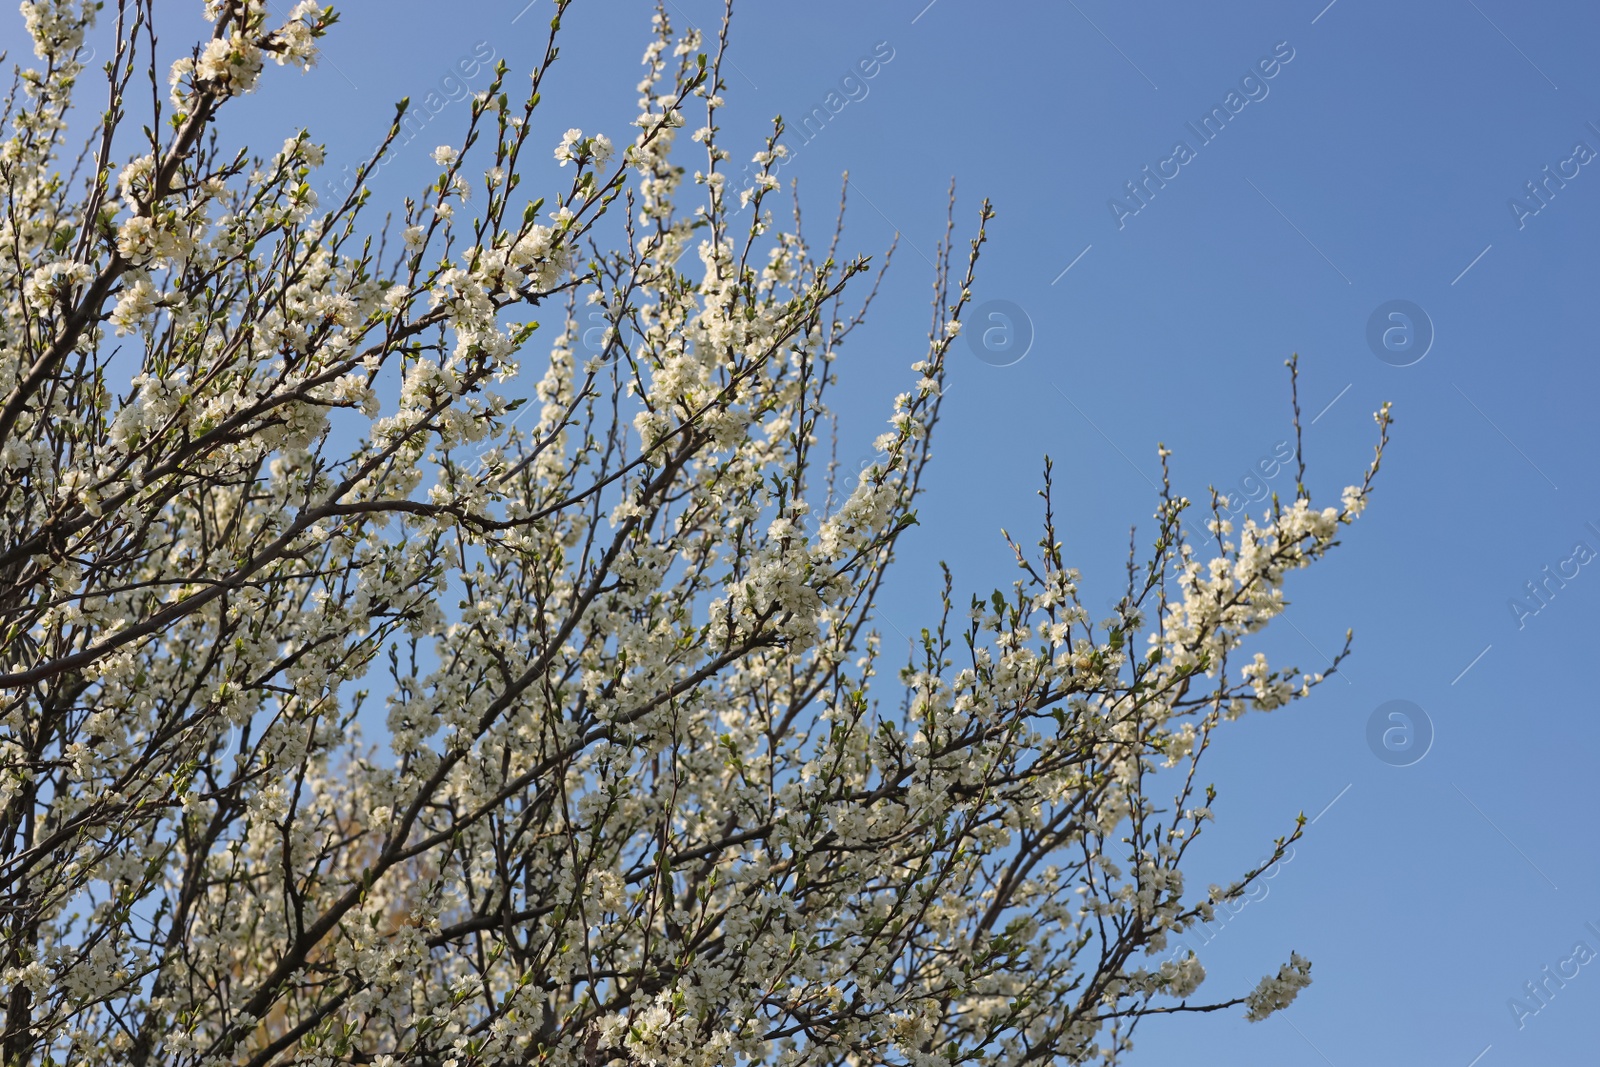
(637, 800)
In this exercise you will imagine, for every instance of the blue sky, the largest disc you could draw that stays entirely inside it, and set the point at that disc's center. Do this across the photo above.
(1379, 162)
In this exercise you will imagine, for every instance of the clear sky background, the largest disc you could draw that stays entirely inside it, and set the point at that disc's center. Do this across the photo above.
(1375, 165)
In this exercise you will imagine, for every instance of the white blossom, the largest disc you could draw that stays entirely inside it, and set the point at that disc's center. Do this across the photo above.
(553, 517)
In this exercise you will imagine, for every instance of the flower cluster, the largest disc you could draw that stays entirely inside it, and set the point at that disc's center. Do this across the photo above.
(1277, 991)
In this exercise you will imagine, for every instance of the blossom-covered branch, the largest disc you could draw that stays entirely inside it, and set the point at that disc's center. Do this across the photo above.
(269, 469)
